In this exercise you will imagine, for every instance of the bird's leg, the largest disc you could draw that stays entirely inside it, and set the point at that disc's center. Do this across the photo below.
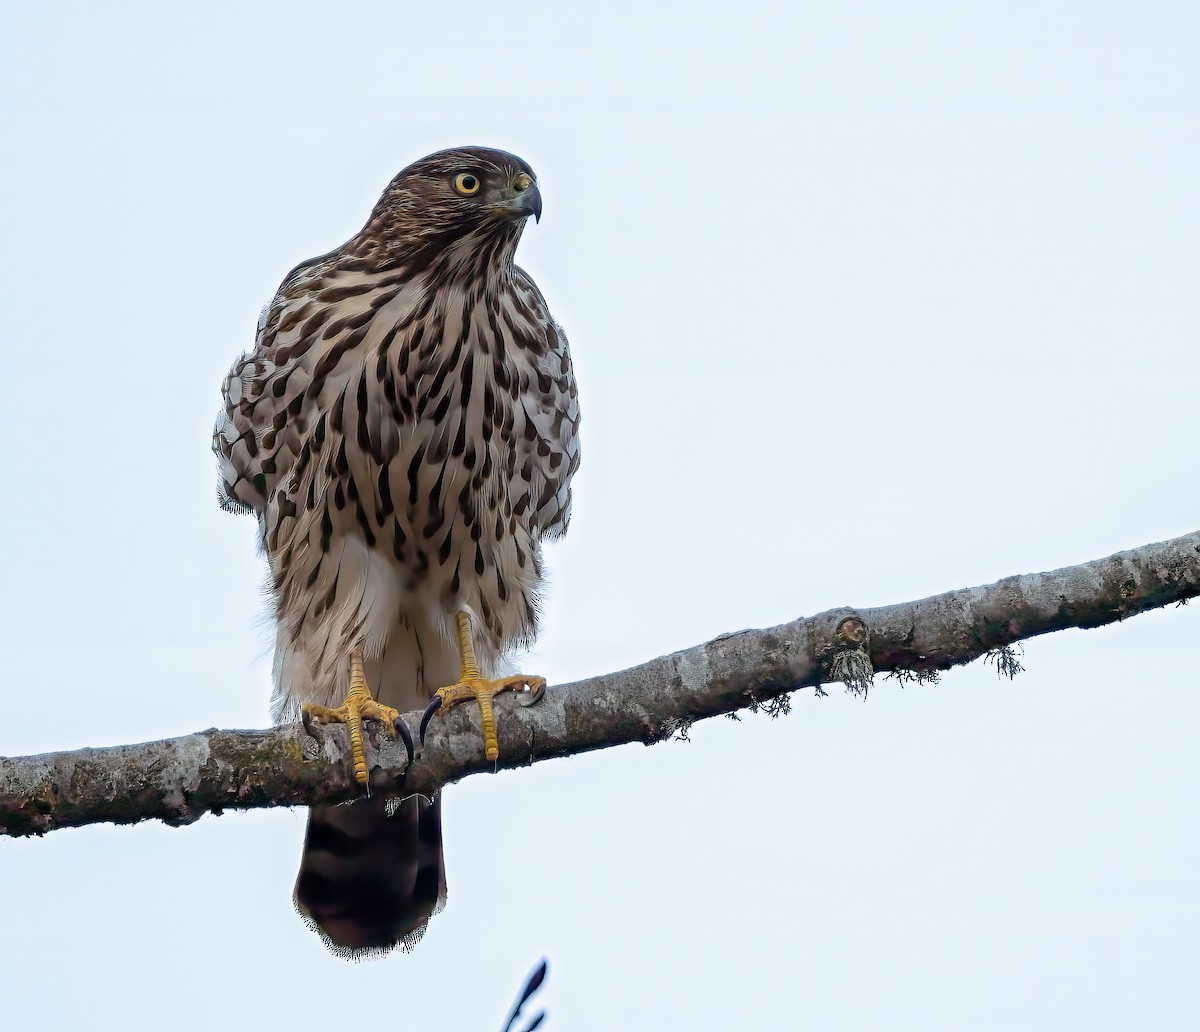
(359, 706)
(472, 685)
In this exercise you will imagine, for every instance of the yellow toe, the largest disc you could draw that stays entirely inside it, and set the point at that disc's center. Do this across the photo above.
(359, 706)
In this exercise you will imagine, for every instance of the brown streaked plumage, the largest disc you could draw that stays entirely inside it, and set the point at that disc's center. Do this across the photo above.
(405, 430)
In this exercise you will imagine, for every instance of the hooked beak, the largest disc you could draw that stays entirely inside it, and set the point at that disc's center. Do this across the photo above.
(527, 198)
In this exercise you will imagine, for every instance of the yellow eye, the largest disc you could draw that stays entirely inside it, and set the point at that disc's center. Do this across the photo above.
(466, 183)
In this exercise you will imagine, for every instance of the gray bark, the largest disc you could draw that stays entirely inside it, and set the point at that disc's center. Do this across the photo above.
(180, 779)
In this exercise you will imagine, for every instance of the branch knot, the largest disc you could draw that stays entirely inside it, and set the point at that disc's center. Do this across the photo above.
(851, 660)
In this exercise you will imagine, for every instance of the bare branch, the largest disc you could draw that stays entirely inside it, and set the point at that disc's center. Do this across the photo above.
(180, 779)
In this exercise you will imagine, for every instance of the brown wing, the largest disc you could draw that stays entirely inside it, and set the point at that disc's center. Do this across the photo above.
(272, 392)
(548, 425)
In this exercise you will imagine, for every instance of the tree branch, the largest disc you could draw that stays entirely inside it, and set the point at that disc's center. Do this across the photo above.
(180, 779)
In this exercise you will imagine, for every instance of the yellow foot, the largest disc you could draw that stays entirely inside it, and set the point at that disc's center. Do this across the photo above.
(359, 706)
(472, 686)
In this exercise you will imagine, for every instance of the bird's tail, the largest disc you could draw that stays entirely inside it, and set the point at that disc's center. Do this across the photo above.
(371, 875)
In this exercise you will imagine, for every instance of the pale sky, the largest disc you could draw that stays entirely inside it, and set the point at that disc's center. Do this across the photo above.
(867, 302)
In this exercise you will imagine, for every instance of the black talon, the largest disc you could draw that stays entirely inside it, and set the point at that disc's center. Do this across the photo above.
(531, 697)
(307, 720)
(405, 737)
(430, 710)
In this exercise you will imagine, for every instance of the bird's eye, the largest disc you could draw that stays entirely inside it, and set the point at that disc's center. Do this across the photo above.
(466, 184)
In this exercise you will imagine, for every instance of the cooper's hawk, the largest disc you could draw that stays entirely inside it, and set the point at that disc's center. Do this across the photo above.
(405, 430)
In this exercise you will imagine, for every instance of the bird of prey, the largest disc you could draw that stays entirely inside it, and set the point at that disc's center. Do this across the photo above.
(405, 429)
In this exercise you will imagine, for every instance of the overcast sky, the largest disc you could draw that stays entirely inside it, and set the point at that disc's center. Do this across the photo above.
(867, 302)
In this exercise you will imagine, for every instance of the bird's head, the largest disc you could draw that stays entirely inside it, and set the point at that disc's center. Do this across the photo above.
(444, 199)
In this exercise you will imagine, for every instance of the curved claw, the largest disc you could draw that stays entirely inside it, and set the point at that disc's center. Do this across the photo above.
(405, 737)
(434, 705)
(306, 719)
(536, 691)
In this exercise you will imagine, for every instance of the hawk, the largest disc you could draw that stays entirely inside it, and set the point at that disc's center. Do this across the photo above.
(405, 429)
